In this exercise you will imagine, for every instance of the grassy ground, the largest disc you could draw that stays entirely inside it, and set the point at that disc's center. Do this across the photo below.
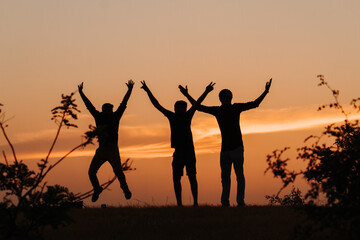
(254, 222)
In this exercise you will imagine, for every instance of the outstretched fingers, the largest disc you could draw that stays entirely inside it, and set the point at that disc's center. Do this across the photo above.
(130, 83)
(81, 86)
(143, 83)
(210, 87)
(268, 84)
(183, 90)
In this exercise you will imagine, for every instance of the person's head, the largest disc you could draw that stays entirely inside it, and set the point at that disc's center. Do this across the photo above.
(180, 107)
(225, 96)
(107, 108)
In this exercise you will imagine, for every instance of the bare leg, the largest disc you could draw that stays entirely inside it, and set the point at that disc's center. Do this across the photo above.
(116, 165)
(194, 188)
(240, 178)
(96, 163)
(177, 188)
(225, 164)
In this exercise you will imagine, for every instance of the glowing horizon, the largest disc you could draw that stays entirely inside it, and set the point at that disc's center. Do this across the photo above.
(203, 137)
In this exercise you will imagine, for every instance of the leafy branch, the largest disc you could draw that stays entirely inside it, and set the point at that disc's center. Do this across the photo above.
(29, 203)
(331, 169)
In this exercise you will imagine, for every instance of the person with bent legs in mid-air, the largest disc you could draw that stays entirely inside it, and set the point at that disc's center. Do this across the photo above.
(107, 126)
(181, 141)
(232, 149)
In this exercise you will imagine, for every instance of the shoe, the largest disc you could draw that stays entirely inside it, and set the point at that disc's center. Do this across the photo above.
(127, 193)
(241, 204)
(96, 194)
(225, 205)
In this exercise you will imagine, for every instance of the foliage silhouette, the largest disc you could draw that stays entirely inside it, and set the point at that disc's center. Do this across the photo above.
(293, 199)
(332, 171)
(29, 204)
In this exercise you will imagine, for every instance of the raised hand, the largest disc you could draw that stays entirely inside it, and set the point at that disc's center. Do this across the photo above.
(130, 84)
(268, 84)
(144, 86)
(184, 90)
(81, 86)
(210, 87)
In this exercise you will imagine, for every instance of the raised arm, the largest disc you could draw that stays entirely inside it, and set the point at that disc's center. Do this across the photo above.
(130, 85)
(153, 99)
(197, 104)
(87, 102)
(262, 96)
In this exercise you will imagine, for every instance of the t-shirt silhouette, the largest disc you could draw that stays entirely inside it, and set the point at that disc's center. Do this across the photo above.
(181, 135)
(107, 124)
(228, 118)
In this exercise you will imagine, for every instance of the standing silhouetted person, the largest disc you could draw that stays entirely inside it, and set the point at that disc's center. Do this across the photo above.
(232, 149)
(107, 127)
(181, 141)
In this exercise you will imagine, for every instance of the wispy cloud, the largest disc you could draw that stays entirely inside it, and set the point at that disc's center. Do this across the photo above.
(153, 140)
(270, 120)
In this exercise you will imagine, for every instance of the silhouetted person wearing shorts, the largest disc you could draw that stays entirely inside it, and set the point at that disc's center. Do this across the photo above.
(181, 141)
(107, 127)
(232, 149)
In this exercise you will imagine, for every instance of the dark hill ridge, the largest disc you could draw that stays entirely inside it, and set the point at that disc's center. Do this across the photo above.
(205, 222)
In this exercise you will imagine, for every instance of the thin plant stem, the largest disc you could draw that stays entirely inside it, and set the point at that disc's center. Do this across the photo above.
(6, 161)
(61, 159)
(8, 140)
(87, 194)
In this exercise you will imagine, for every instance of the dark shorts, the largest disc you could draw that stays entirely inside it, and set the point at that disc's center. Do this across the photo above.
(181, 159)
(105, 153)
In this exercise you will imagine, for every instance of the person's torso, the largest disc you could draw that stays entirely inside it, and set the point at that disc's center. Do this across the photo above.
(107, 127)
(228, 118)
(181, 135)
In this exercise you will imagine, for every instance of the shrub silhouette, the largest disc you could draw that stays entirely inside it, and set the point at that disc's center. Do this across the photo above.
(293, 199)
(29, 204)
(332, 171)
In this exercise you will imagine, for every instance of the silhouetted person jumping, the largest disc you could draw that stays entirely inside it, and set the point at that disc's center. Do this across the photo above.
(181, 141)
(232, 149)
(107, 127)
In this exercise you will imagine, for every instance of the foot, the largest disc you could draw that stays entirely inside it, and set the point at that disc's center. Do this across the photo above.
(127, 193)
(96, 194)
(225, 204)
(241, 203)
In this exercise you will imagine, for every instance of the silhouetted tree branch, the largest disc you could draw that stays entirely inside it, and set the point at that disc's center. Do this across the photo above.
(126, 166)
(29, 203)
(333, 170)
(2, 126)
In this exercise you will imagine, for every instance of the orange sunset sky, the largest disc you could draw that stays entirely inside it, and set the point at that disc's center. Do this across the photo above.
(49, 47)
